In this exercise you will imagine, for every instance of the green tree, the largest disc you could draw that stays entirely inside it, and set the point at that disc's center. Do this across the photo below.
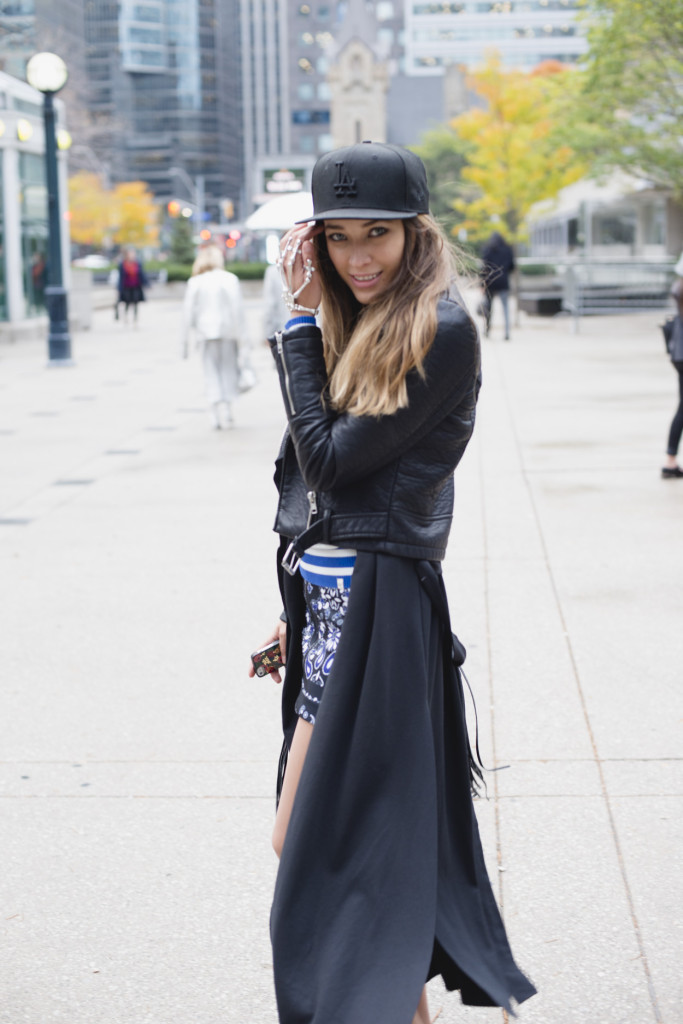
(443, 154)
(182, 248)
(516, 155)
(629, 111)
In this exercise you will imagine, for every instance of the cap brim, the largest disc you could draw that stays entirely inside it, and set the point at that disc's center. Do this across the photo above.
(349, 213)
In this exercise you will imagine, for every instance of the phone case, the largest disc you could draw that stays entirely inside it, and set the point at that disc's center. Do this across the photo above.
(267, 659)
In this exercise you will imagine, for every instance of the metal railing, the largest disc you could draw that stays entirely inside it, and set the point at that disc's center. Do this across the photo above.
(597, 287)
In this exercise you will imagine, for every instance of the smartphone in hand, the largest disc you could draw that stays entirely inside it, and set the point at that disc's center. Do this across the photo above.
(267, 659)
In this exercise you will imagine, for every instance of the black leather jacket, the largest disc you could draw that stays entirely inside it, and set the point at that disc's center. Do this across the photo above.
(376, 483)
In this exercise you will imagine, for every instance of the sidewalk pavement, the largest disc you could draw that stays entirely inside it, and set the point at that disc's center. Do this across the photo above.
(137, 761)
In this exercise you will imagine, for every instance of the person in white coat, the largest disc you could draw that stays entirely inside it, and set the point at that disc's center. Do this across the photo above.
(275, 313)
(214, 310)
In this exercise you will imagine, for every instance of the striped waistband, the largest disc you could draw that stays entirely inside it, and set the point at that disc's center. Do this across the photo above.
(328, 566)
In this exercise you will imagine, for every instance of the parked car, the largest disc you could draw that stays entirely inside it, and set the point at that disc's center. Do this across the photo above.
(94, 261)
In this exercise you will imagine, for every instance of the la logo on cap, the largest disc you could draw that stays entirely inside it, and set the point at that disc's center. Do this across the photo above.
(345, 185)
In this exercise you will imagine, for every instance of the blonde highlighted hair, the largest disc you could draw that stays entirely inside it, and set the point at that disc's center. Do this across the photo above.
(369, 350)
(209, 257)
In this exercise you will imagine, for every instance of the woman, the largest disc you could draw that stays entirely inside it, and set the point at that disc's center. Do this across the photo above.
(381, 883)
(131, 285)
(673, 334)
(213, 307)
(498, 262)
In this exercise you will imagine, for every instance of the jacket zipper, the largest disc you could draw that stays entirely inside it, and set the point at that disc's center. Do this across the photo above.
(312, 506)
(290, 561)
(281, 353)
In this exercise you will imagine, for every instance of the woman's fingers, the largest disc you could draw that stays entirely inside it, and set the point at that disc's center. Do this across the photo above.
(279, 634)
(298, 266)
(282, 637)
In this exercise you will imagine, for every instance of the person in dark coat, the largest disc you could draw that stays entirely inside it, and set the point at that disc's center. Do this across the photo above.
(131, 284)
(382, 883)
(673, 335)
(498, 262)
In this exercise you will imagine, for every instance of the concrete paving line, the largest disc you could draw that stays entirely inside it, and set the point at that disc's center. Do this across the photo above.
(659, 1019)
(72, 493)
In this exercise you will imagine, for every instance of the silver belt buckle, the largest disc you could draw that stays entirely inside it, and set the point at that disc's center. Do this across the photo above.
(290, 561)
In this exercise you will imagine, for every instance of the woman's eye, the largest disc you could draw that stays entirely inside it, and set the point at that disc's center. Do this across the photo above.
(377, 232)
(335, 236)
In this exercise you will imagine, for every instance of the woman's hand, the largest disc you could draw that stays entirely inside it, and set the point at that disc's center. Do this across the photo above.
(298, 265)
(279, 634)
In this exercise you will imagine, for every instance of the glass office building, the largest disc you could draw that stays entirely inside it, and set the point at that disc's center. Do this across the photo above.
(524, 32)
(165, 79)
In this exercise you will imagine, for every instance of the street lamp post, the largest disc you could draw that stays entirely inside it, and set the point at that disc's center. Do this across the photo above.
(48, 73)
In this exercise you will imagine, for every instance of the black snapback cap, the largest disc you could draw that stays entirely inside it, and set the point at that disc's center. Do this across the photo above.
(369, 180)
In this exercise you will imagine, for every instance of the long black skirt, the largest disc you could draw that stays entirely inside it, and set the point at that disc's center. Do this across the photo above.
(382, 882)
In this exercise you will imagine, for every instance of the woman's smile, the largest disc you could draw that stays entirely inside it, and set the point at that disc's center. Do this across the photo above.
(367, 254)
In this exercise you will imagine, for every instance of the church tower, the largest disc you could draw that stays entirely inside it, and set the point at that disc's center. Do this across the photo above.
(358, 82)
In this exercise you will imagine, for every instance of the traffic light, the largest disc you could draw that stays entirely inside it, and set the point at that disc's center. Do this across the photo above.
(173, 207)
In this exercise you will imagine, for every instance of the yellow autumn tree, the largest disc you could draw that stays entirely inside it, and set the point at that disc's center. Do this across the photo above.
(136, 215)
(516, 155)
(90, 208)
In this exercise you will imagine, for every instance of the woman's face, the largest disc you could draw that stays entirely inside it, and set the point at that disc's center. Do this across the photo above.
(366, 254)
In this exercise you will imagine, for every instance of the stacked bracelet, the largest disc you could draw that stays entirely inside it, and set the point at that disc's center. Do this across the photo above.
(296, 320)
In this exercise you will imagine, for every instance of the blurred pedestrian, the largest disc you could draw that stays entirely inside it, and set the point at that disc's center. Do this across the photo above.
(131, 285)
(382, 882)
(498, 262)
(275, 313)
(673, 335)
(38, 278)
(213, 309)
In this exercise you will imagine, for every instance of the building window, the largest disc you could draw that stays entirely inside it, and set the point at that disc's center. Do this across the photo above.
(325, 143)
(384, 10)
(306, 143)
(310, 117)
(324, 91)
(305, 91)
(34, 231)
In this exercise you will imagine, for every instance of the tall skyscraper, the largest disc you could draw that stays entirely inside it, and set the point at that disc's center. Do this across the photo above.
(29, 26)
(165, 80)
(287, 50)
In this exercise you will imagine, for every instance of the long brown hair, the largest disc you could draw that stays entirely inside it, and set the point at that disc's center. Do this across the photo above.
(369, 350)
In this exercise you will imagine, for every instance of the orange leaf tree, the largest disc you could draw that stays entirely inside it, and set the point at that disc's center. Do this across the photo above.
(137, 216)
(516, 155)
(91, 211)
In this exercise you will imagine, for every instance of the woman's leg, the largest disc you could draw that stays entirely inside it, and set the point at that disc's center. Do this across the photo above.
(422, 1015)
(505, 299)
(228, 372)
(212, 381)
(677, 423)
(295, 763)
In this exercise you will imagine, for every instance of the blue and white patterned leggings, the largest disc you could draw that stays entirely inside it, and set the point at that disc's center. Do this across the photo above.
(325, 611)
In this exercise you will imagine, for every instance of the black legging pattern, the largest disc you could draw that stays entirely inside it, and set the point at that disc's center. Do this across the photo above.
(677, 422)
